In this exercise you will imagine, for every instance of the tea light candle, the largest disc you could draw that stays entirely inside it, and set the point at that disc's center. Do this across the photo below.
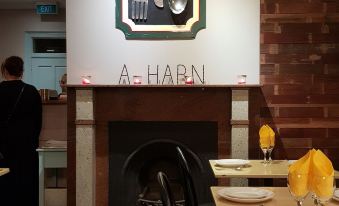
(86, 80)
(189, 80)
(137, 79)
(242, 79)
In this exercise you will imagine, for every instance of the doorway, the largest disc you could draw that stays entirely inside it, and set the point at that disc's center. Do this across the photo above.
(45, 59)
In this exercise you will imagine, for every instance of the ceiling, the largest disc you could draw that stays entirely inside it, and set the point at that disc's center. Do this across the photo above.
(26, 4)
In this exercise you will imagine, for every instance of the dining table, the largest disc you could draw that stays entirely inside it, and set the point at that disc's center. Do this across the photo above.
(255, 169)
(4, 171)
(281, 197)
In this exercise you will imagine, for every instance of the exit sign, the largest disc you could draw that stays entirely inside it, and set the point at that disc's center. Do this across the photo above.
(47, 8)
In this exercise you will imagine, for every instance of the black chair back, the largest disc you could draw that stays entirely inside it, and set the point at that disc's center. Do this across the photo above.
(165, 192)
(188, 185)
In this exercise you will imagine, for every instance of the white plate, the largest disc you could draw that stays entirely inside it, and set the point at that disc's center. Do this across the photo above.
(245, 194)
(231, 162)
(336, 195)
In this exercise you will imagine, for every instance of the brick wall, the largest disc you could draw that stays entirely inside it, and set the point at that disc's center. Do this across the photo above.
(300, 76)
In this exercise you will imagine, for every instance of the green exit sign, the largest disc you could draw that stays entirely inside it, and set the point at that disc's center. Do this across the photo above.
(47, 8)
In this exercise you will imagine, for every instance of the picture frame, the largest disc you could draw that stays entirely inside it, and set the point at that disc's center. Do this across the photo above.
(142, 19)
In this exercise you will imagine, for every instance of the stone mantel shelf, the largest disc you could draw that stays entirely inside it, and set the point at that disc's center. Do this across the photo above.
(236, 86)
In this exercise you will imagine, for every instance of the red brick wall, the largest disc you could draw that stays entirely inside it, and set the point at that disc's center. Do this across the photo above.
(300, 75)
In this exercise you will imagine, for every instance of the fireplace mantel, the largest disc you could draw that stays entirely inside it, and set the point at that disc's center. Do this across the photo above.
(235, 86)
(91, 107)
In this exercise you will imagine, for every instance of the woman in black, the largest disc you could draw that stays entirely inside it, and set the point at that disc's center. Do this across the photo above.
(20, 125)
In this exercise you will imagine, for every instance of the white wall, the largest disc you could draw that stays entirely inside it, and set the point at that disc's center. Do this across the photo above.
(14, 24)
(228, 47)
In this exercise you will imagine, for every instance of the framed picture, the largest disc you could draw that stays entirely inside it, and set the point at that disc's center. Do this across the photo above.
(160, 19)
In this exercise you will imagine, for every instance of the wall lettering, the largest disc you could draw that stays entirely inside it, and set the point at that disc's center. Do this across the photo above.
(154, 72)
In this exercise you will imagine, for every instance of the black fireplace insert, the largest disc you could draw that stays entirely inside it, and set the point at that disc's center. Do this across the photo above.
(140, 149)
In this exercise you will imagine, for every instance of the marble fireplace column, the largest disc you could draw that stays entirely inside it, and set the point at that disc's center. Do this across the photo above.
(239, 123)
(85, 148)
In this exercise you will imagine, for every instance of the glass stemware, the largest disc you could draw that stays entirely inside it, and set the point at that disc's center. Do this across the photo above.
(264, 149)
(323, 189)
(297, 186)
(269, 150)
(272, 143)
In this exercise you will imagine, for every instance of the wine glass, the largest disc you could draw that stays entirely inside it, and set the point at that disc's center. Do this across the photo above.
(323, 188)
(298, 187)
(264, 149)
(269, 150)
(272, 143)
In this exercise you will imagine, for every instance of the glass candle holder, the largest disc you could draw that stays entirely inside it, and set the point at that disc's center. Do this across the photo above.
(86, 79)
(137, 80)
(242, 79)
(189, 80)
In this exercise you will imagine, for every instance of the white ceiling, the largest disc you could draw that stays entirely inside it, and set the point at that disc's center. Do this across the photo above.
(26, 4)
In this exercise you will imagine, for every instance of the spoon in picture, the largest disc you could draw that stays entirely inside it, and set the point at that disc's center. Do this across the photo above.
(177, 6)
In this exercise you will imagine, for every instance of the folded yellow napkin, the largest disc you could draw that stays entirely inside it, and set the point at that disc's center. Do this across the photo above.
(267, 136)
(313, 172)
(322, 171)
(272, 136)
(298, 176)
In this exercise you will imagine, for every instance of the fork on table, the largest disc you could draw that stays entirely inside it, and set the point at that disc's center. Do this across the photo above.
(139, 9)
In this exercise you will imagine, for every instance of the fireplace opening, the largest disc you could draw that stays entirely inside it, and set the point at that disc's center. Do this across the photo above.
(139, 150)
(147, 160)
(147, 176)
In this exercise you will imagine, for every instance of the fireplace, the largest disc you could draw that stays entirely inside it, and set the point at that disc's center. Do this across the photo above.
(117, 123)
(139, 149)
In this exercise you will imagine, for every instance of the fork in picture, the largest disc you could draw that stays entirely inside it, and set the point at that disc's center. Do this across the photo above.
(139, 9)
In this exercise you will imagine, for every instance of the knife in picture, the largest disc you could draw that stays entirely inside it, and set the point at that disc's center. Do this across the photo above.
(159, 3)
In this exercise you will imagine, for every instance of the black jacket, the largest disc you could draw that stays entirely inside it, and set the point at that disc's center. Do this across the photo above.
(18, 142)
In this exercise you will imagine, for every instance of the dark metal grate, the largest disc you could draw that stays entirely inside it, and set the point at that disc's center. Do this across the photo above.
(150, 196)
(143, 202)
